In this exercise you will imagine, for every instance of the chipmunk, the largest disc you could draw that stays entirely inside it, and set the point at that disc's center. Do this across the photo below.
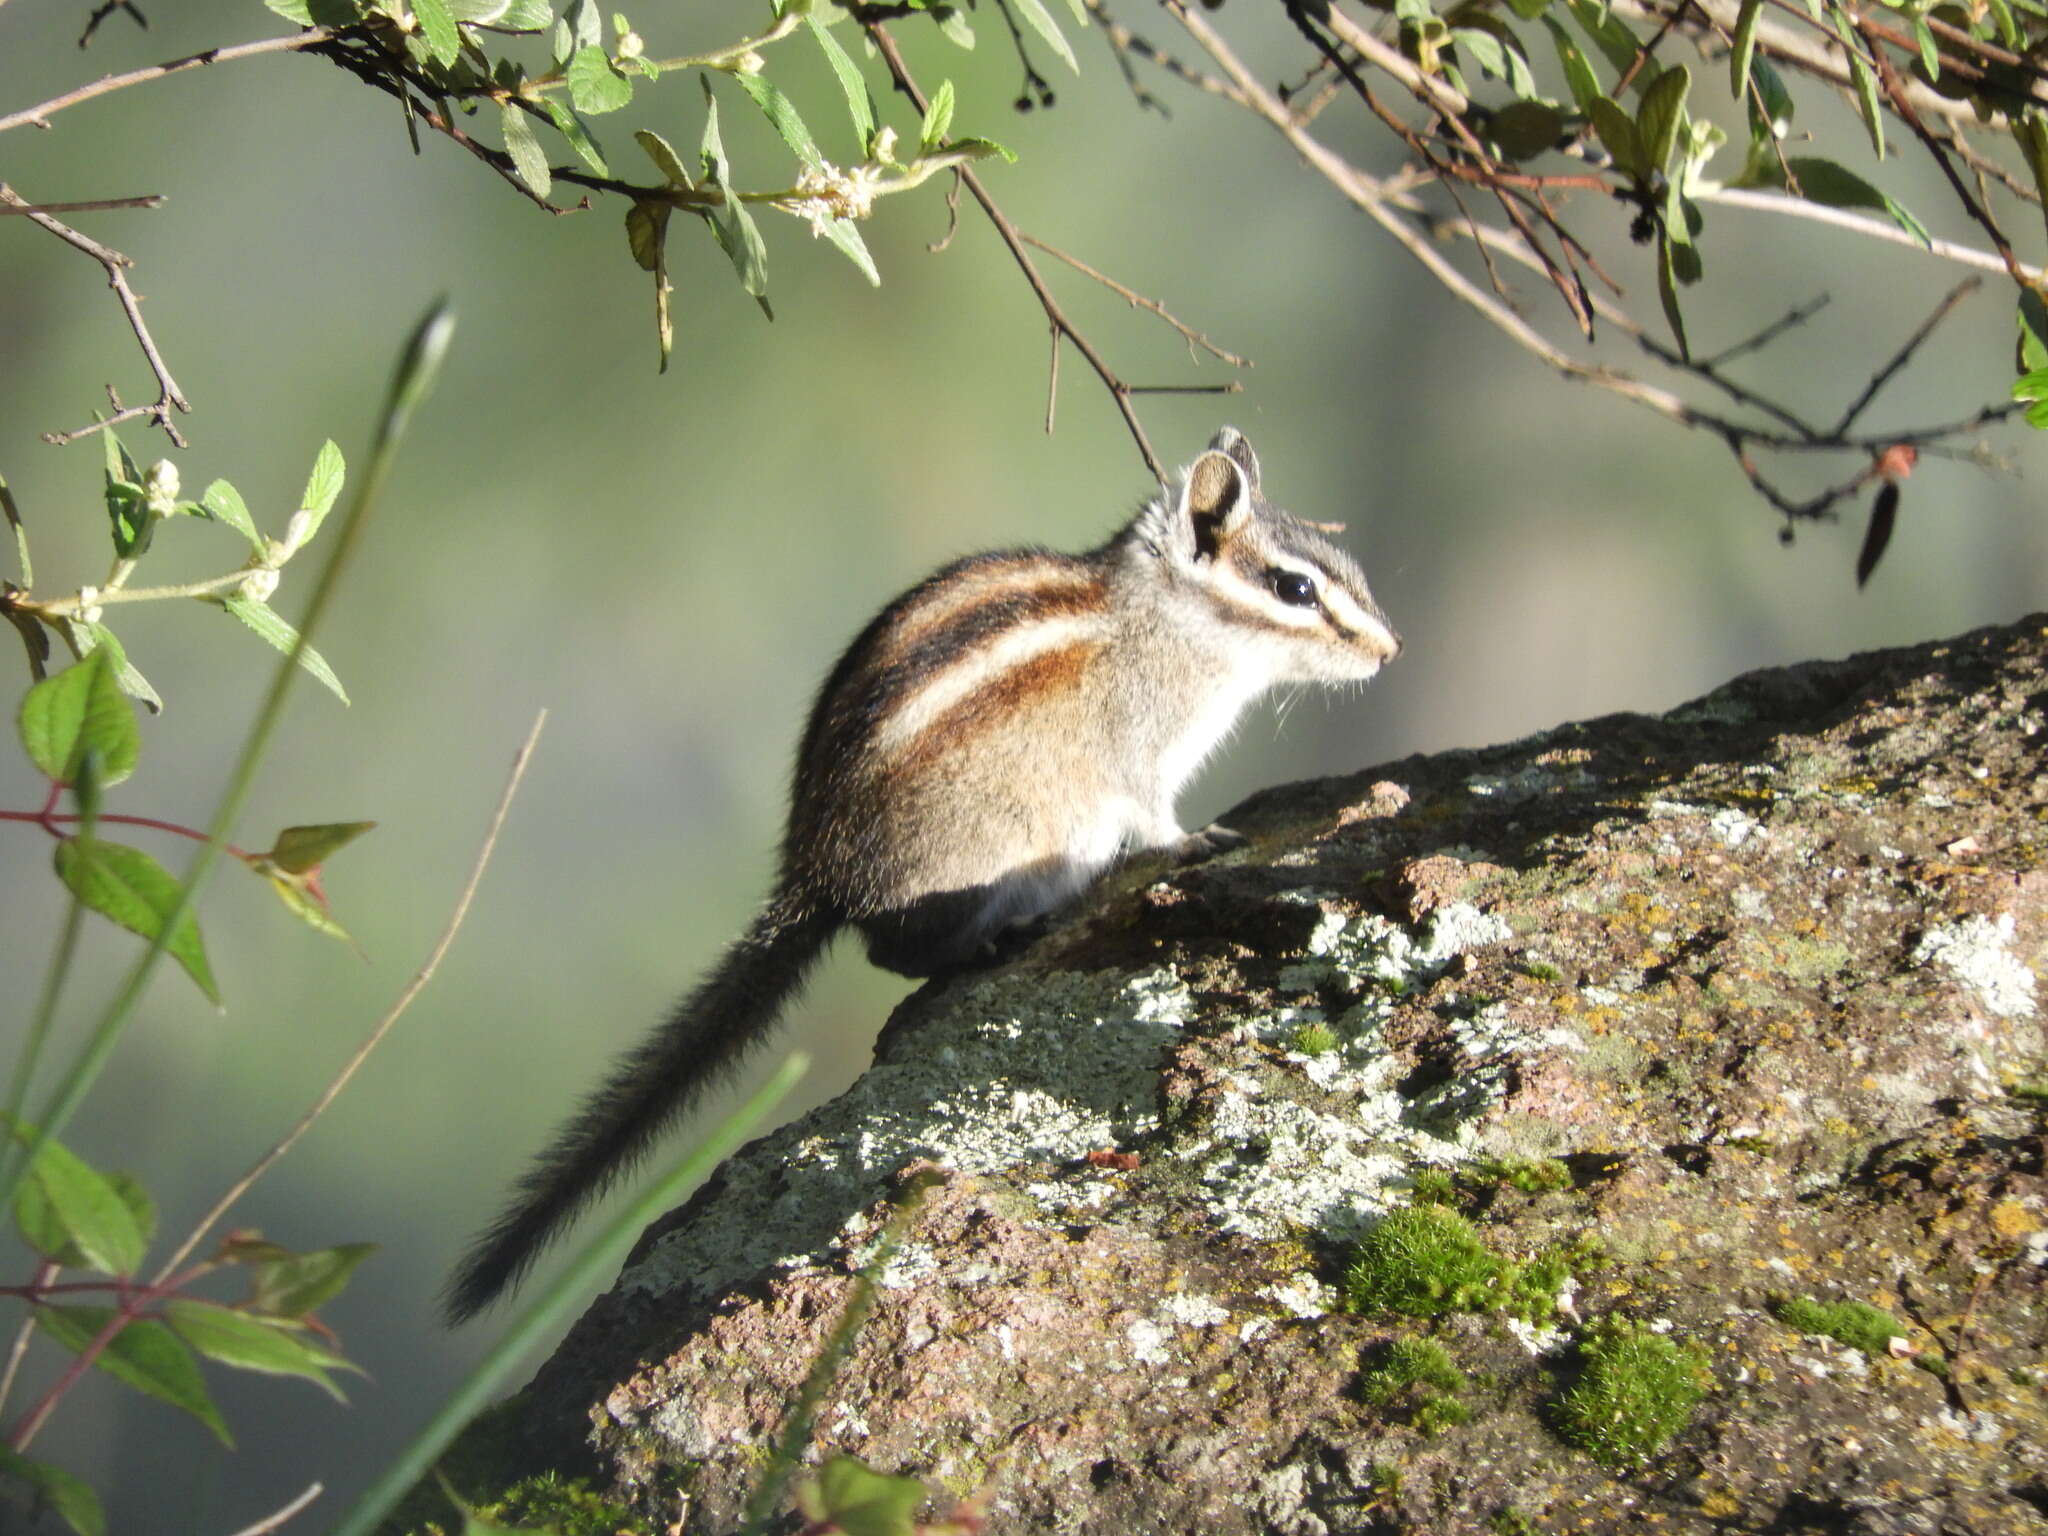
(993, 740)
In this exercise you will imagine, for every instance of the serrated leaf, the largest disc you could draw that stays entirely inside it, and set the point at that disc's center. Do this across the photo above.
(254, 1344)
(88, 638)
(128, 887)
(529, 161)
(572, 128)
(1034, 12)
(74, 1501)
(850, 1497)
(78, 710)
(127, 506)
(291, 10)
(740, 238)
(1744, 49)
(1661, 115)
(299, 849)
(666, 161)
(146, 1355)
(1865, 78)
(1618, 134)
(299, 1284)
(304, 902)
(585, 22)
(844, 234)
(42, 1224)
(782, 115)
(1578, 74)
(860, 102)
(981, 149)
(323, 485)
(1823, 181)
(938, 118)
(224, 504)
(437, 26)
(264, 620)
(525, 16)
(594, 85)
(482, 12)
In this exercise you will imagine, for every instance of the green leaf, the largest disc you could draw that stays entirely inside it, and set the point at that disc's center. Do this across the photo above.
(1744, 49)
(127, 506)
(75, 1502)
(529, 161)
(1667, 293)
(954, 28)
(1774, 118)
(323, 485)
(1034, 12)
(2008, 28)
(146, 1355)
(938, 118)
(846, 235)
(860, 102)
(1930, 55)
(128, 887)
(573, 129)
(525, 16)
(69, 1211)
(646, 230)
(1618, 133)
(666, 161)
(981, 149)
(291, 10)
(1528, 10)
(264, 619)
(299, 849)
(1578, 74)
(1523, 130)
(253, 1343)
(1823, 181)
(1485, 48)
(224, 504)
(730, 222)
(1866, 80)
(2033, 322)
(851, 1497)
(437, 26)
(1614, 40)
(783, 117)
(78, 710)
(1661, 115)
(287, 1284)
(594, 85)
(89, 638)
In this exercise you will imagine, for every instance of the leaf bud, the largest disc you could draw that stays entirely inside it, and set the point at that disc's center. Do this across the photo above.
(160, 488)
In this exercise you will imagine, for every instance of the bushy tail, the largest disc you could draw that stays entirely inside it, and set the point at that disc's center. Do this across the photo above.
(704, 1039)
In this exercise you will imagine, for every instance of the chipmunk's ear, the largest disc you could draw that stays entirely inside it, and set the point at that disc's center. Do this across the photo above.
(1239, 447)
(1216, 499)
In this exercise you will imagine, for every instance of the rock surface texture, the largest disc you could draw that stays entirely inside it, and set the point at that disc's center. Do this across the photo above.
(1691, 1028)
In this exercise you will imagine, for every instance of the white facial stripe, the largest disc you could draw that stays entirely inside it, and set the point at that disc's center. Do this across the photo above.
(980, 668)
(1257, 598)
(1353, 615)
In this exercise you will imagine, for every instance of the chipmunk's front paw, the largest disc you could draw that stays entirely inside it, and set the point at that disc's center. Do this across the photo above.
(1213, 839)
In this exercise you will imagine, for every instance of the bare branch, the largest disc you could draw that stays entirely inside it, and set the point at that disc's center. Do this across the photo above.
(40, 114)
(169, 397)
(90, 205)
(1193, 338)
(276, 1519)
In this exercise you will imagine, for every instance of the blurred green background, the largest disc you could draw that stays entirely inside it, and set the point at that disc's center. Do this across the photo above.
(668, 564)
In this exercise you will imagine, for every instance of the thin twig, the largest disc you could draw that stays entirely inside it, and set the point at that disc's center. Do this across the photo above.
(1884, 375)
(1861, 223)
(1193, 337)
(105, 9)
(1013, 238)
(40, 114)
(1798, 315)
(90, 205)
(169, 397)
(376, 1036)
(271, 1522)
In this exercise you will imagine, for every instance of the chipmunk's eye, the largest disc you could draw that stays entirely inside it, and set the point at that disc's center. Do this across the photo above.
(1293, 587)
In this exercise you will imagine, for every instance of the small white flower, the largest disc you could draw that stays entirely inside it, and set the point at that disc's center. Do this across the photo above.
(160, 488)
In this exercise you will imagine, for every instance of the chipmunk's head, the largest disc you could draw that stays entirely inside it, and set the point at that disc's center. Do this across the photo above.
(1272, 583)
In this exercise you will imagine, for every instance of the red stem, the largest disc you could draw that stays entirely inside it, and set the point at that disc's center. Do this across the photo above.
(49, 819)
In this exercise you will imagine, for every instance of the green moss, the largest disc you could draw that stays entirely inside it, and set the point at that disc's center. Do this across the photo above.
(1854, 1323)
(1531, 1175)
(1541, 970)
(564, 1507)
(1636, 1389)
(1315, 1039)
(1510, 1521)
(1421, 1374)
(1426, 1259)
(2035, 1092)
(1432, 1186)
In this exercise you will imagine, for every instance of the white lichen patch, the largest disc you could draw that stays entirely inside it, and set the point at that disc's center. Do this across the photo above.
(1193, 1311)
(1303, 1296)
(1536, 1339)
(1978, 953)
(1526, 783)
(1151, 1343)
(1021, 1067)
(1731, 828)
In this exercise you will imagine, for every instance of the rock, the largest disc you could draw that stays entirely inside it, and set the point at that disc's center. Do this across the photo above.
(1689, 1017)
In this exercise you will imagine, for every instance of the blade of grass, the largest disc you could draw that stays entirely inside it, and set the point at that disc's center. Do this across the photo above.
(474, 1394)
(417, 366)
